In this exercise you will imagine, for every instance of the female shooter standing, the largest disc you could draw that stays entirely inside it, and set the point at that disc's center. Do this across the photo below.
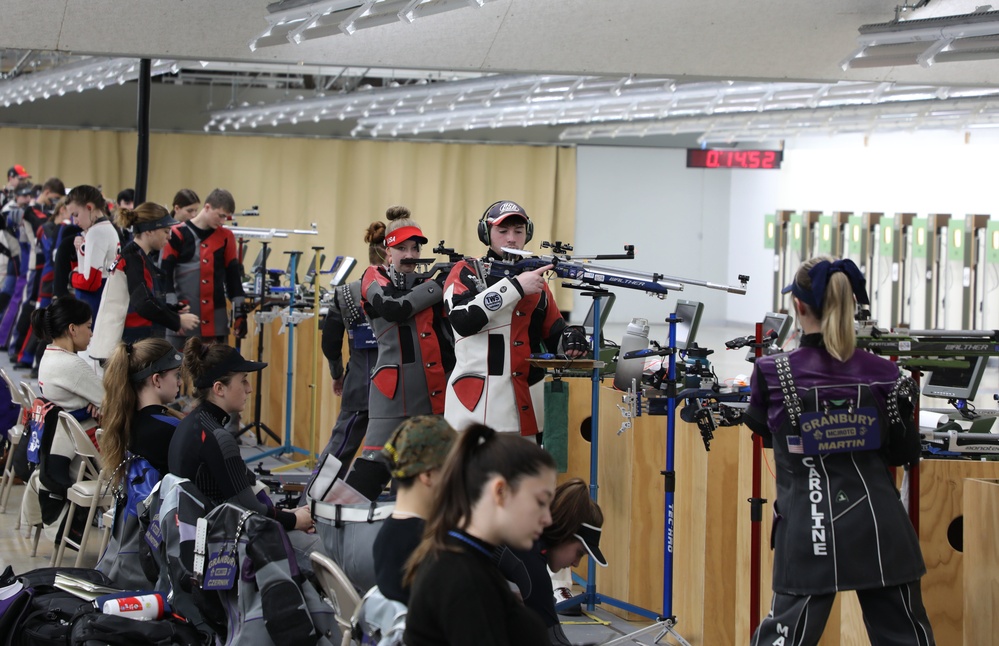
(415, 350)
(837, 418)
(148, 312)
(98, 246)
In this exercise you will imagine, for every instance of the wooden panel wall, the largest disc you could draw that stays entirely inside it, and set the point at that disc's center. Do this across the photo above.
(981, 555)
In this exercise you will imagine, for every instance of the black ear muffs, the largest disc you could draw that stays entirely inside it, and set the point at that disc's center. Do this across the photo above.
(483, 227)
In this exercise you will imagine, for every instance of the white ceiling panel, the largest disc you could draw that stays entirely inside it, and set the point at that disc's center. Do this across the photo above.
(719, 39)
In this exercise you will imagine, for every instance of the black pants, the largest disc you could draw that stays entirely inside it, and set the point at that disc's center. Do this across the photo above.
(893, 616)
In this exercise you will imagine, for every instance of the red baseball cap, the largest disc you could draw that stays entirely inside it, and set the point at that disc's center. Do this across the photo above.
(17, 171)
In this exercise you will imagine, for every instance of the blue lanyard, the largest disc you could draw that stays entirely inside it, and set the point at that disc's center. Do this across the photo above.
(468, 541)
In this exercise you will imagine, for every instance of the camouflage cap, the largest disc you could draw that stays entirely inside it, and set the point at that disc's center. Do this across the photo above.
(420, 444)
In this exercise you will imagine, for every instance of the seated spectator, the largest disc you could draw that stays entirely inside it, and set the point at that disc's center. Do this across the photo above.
(495, 491)
(68, 382)
(574, 533)
(207, 454)
(140, 380)
(415, 453)
(64, 377)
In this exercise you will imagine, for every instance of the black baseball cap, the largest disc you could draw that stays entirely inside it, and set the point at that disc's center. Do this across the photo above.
(589, 536)
(232, 362)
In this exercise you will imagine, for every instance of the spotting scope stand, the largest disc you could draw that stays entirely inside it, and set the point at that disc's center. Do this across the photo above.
(287, 446)
(257, 425)
(590, 597)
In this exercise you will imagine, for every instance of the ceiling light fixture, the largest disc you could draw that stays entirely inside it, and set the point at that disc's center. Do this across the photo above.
(926, 41)
(292, 21)
(532, 100)
(952, 114)
(85, 74)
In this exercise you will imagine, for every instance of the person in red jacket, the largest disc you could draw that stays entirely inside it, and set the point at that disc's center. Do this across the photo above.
(498, 322)
(201, 266)
(415, 350)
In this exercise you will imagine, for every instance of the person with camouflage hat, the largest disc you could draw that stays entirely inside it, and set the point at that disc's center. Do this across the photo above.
(415, 452)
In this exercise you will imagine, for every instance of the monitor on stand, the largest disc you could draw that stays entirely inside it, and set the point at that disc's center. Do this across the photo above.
(956, 383)
(606, 303)
(311, 273)
(341, 268)
(689, 313)
(773, 322)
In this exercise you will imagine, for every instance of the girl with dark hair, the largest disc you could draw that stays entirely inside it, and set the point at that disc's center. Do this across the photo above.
(575, 531)
(69, 382)
(140, 379)
(148, 312)
(415, 348)
(97, 248)
(838, 521)
(64, 377)
(495, 491)
(186, 205)
(202, 450)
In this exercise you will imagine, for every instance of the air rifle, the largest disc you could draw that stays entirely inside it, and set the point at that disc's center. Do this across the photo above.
(587, 273)
(436, 268)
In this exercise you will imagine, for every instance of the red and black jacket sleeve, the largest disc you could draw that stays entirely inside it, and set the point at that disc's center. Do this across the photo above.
(145, 306)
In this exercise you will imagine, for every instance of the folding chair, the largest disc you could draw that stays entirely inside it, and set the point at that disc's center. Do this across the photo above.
(90, 489)
(339, 592)
(14, 435)
(28, 397)
(28, 392)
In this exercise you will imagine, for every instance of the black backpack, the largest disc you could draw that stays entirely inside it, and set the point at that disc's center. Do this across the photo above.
(43, 615)
(98, 629)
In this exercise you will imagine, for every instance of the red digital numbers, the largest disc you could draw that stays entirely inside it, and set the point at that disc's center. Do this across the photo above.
(713, 158)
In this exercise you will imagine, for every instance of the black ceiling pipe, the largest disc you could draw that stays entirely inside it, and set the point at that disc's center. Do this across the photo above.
(142, 126)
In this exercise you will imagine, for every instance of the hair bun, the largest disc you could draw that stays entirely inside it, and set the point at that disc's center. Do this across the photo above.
(375, 233)
(397, 212)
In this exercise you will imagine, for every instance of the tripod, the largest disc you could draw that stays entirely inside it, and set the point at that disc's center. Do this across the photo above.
(256, 424)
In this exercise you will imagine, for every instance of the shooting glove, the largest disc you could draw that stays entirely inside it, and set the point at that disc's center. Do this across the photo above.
(239, 326)
(239, 318)
(574, 339)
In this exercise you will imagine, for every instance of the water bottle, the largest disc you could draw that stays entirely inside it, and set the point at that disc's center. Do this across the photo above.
(635, 338)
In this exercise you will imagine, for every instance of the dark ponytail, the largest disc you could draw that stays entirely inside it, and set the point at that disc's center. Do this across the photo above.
(199, 358)
(479, 455)
(52, 322)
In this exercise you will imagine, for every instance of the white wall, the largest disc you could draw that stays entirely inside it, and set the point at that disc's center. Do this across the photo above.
(927, 172)
(677, 218)
(708, 224)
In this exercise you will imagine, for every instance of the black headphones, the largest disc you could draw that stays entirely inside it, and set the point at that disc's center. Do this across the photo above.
(483, 227)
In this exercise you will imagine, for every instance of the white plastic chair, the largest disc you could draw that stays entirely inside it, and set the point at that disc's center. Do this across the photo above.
(14, 435)
(90, 489)
(339, 592)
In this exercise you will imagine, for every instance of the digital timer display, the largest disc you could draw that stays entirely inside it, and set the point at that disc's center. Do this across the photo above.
(713, 158)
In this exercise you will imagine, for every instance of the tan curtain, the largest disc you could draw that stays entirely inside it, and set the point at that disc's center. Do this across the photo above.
(339, 185)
